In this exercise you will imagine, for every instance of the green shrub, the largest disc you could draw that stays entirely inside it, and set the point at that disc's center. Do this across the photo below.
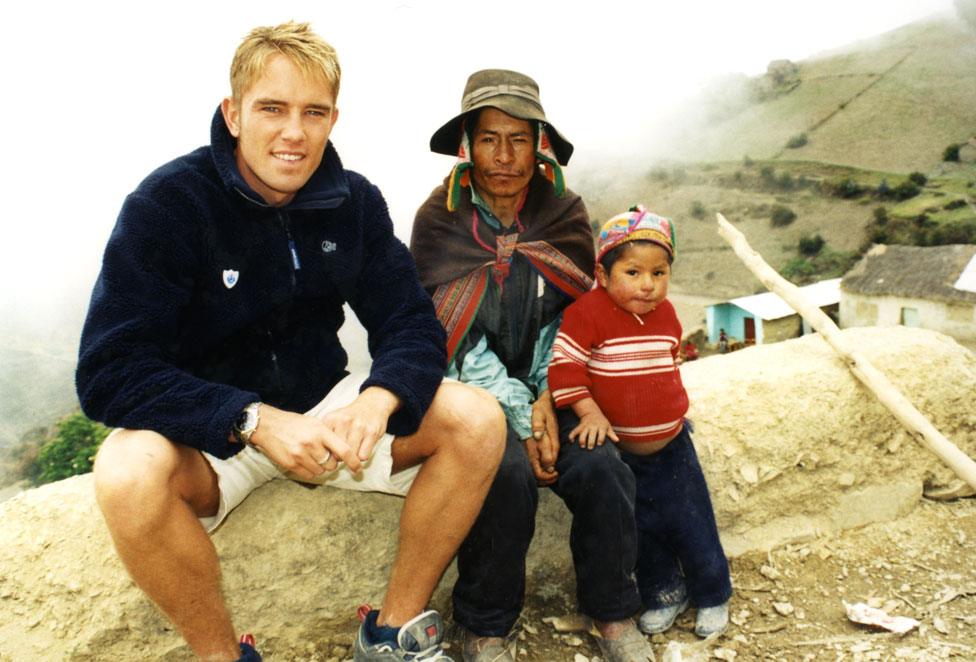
(796, 141)
(697, 209)
(961, 231)
(879, 235)
(785, 181)
(782, 216)
(768, 175)
(811, 245)
(918, 178)
(951, 153)
(907, 189)
(880, 215)
(71, 451)
(747, 162)
(845, 188)
(884, 189)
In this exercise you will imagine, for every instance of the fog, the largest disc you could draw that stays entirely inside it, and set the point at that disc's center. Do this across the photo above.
(98, 94)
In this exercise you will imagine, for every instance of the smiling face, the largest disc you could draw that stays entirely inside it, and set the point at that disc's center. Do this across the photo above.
(638, 280)
(503, 153)
(282, 124)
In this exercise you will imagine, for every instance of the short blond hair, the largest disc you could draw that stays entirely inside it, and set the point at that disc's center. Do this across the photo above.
(296, 41)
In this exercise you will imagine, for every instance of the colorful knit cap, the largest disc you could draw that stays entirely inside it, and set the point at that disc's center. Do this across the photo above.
(636, 223)
(544, 154)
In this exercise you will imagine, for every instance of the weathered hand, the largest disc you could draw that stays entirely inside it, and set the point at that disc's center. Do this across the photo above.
(542, 475)
(545, 431)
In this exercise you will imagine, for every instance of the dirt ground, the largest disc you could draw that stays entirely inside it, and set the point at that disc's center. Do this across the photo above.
(789, 604)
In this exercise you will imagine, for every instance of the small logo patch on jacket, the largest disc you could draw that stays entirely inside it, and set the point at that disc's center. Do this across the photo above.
(230, 278)
(328, 246)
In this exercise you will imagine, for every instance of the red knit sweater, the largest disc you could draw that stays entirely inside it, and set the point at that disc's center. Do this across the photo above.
(625, 362)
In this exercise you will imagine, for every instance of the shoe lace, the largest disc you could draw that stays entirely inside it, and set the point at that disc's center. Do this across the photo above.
(432, 654)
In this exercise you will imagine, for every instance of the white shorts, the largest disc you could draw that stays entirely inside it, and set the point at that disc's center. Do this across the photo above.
(241, 474)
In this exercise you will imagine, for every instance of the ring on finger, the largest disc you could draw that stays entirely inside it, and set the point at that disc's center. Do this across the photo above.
(325, 459)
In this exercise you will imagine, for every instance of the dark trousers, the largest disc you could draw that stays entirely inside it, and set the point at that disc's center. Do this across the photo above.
(599, 490)
(679, 551)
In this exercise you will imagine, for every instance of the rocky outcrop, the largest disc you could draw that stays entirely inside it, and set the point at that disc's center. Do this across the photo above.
(792, 445)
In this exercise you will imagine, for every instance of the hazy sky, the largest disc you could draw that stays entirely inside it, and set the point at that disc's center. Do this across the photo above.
(98, 94)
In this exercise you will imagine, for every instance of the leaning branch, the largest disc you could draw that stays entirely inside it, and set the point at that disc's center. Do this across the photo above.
(889, 395)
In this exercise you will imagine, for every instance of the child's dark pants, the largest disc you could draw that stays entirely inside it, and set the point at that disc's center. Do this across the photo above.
(676, 529)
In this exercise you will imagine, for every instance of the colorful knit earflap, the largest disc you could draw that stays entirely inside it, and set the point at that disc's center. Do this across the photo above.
(461, 174)
(545, 154)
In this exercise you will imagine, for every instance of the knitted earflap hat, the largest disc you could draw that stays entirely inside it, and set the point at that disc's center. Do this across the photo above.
(636, 223)
(517, 95)
(510, 92)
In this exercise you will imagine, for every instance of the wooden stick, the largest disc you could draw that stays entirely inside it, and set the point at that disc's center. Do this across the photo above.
(917, 424)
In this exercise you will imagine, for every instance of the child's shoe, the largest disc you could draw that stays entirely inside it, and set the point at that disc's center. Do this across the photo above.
(712, 620)
(248, 653)
(656, 621)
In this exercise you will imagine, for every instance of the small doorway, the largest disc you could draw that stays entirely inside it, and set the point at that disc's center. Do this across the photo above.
(750, 330)
(909, 316)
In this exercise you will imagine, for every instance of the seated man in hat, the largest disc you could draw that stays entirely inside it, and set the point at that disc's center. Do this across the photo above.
(503, 247)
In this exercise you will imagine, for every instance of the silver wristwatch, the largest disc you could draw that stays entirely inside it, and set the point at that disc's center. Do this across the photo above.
(247, 423)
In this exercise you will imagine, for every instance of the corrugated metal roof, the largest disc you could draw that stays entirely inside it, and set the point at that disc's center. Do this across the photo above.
(770, 306)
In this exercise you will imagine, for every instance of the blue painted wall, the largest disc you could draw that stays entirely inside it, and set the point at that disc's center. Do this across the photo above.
(731, 318)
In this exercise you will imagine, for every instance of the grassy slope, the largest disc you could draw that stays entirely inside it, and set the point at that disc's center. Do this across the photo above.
(877, 111)
(892, 104)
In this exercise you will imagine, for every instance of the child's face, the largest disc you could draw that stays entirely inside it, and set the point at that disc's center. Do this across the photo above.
(638, 280)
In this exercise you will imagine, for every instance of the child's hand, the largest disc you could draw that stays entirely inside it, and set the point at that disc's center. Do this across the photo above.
(593, 430)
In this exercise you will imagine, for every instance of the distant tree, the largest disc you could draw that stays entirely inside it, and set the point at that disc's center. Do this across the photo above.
(918, 178)
(843, 188)
(951, 153)
(72, 449)
(907, 189)
(697, 209)
(747, 162)
(768, 175)
(884, 189)
(785, 181)
(811, 245)
(880, 215)
(782, 216)
(797, 141)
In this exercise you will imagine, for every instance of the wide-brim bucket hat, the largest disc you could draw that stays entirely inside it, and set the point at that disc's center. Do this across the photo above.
(512, 93)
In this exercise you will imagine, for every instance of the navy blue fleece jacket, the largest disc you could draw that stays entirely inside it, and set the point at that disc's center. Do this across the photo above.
(209, 299)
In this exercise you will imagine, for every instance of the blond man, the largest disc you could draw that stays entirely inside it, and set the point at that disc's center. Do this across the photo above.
(211, 343)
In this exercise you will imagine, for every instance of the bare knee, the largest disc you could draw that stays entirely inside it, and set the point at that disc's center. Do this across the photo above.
(134, 473)
(475, 423)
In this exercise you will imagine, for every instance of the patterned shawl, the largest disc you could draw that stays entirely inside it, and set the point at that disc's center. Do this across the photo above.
(455, 253)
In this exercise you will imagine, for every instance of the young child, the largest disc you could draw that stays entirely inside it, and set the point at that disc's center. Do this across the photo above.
(614, 364)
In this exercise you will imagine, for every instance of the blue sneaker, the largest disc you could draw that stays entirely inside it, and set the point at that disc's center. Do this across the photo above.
(248, 653)
(419, 639)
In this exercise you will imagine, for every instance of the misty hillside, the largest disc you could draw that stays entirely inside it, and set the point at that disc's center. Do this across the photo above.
(890, 103)
(36, 384)
(859, 121)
